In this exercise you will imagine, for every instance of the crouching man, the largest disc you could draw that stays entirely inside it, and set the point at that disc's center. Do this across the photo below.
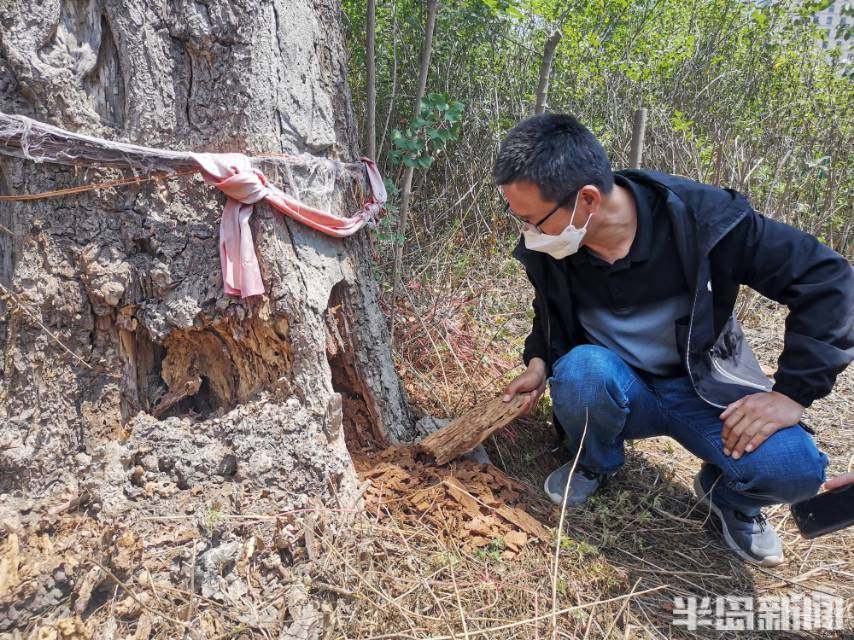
(636, 275)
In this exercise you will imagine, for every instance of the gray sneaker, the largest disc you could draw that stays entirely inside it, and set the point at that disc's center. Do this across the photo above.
(751, 537)
(583, 484)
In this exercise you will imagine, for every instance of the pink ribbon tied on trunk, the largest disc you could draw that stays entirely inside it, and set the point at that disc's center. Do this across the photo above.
(243, 185)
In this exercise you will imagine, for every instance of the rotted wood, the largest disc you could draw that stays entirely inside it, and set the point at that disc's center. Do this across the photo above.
(186, 388)
(471, 429)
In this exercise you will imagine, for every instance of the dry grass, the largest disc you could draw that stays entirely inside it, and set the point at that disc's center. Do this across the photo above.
(370, 575)
(646, 530)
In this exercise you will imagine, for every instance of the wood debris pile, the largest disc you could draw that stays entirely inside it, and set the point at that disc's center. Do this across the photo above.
(466, 503)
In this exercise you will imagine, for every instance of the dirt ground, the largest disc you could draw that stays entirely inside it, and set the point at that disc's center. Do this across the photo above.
(218, 562)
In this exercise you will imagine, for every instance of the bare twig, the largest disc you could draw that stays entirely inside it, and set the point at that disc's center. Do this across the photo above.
(123, 585)
(545, 616)
(559, 532)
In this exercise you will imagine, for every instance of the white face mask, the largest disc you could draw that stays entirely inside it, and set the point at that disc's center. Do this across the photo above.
(564, 244)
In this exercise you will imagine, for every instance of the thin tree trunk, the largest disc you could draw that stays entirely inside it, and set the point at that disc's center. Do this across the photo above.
(546, 70)
(371, 63)
(393, 93)
(406, 190)
(638, 136)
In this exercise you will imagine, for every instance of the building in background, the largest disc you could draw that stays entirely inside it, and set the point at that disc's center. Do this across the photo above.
(838, 21)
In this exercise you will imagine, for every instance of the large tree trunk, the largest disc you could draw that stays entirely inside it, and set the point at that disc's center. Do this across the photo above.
(168, 380)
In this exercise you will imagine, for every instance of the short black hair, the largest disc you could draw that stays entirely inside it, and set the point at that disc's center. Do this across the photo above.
(557, 153)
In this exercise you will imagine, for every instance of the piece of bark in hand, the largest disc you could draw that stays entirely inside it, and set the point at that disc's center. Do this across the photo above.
(472, 428)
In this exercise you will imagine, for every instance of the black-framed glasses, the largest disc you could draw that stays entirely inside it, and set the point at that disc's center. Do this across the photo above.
(561, 203)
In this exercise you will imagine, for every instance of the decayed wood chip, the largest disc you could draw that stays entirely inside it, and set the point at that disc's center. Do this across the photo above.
(471, 429)
(523, 521)
(462, 496)
(9, 564)
(187, 387)
(515, 539)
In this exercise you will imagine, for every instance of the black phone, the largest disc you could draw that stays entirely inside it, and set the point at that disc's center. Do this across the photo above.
(826, 512)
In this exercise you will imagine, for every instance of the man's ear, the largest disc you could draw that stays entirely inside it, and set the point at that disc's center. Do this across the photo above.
(590, 197)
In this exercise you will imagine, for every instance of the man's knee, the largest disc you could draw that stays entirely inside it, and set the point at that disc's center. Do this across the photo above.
(793, 468)
(590, 377)
(587, 362)
(798, 483)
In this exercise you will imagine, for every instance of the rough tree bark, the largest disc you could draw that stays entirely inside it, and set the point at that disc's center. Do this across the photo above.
(176, 382)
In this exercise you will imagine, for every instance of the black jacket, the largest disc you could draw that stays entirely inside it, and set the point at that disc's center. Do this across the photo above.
(723, 243)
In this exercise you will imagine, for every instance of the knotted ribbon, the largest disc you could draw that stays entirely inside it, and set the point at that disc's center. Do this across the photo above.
(243, 185)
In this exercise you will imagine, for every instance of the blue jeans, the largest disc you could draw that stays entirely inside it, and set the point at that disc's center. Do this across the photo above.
(624, 403)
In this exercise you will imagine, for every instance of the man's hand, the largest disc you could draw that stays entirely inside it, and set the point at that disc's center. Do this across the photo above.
(840, 481)
(750, 421)
(532, 382)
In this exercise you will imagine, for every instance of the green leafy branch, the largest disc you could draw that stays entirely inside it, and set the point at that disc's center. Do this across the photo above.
(437, 123)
